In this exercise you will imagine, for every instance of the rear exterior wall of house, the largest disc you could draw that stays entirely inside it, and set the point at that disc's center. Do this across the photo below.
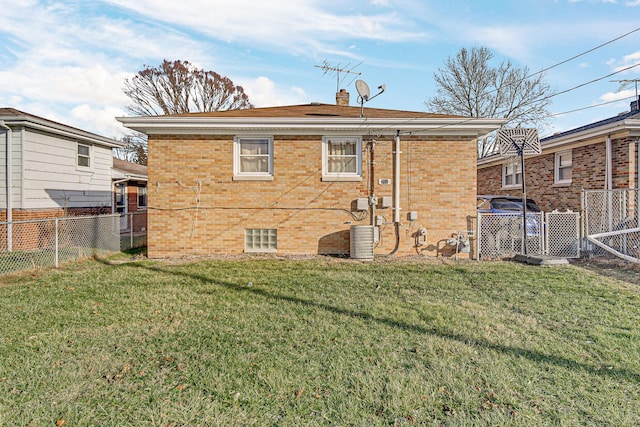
(588, 173)
(196, 208)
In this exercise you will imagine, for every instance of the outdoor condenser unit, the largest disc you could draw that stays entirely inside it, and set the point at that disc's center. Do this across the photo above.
(361, 241)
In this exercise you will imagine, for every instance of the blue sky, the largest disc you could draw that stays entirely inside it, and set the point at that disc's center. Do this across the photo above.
(67, 60)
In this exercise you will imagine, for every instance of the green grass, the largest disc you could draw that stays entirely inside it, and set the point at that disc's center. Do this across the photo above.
(319, 342)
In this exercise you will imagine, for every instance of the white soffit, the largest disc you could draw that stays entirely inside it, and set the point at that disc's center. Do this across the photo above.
(309, 126)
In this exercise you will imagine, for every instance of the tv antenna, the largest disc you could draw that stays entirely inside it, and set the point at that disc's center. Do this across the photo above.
(626, 83)
(330, 69)
(364, 94)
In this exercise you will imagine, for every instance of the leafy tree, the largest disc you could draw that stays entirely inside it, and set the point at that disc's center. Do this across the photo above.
(469, 86)
(179, 87)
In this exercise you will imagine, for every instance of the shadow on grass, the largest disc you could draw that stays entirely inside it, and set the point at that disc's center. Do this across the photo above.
(534, 356)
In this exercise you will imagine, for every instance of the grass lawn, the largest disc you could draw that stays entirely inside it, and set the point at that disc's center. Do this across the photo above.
(319, 342)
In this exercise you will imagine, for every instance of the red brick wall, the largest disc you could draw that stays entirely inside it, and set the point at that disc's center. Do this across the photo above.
(196, 208)
(589, 171)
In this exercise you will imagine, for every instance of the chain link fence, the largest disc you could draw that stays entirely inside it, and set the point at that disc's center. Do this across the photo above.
(501, 235)
(32, 244)
(612, 223)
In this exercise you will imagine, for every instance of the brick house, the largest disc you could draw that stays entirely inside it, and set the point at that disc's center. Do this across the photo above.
(296, 179)
(600, 155)
(130, 194)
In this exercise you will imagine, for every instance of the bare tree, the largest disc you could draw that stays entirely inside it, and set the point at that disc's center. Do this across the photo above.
(136, 149)
(176, 87)
(179, 87)
(469, 86)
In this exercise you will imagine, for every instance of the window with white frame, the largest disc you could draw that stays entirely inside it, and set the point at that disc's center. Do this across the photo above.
(253, 158)
(260, 240)
(342, 158)
(511, 175)
(563, 167)
(83, 155)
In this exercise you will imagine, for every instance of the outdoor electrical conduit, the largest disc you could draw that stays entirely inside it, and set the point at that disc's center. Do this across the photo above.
(396, 191)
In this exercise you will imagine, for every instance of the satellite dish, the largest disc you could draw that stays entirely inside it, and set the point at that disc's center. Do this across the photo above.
(363, 89)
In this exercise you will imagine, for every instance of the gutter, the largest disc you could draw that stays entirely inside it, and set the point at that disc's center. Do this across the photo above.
(79, 135)
(9, 196)
(309, 125)
(113, 188)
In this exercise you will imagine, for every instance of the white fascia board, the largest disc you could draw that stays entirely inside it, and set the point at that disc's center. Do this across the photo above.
(67, 131)
(309, 126)
(575, 139)
(631, 125)
(121, 176)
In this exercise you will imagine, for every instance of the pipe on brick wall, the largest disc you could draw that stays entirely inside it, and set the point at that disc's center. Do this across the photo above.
(8, 195)
(396, 191)
(638, 165)
(608, 180)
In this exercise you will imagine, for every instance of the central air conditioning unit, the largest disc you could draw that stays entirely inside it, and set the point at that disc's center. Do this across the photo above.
(362, 240)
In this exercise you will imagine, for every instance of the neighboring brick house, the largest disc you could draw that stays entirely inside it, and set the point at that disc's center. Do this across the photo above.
(600, 155)
(130, 194)
(49, 169)
(295, 179)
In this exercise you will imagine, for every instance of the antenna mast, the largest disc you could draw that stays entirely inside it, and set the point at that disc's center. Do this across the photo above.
(329, 69)
(624, 83)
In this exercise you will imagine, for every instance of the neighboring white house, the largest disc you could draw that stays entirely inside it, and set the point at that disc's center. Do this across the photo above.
(50, 169)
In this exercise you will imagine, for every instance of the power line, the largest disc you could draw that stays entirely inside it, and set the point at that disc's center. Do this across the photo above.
(583, 53)
(590, 106)
(465, 120)
(592, 81)
(554, 94)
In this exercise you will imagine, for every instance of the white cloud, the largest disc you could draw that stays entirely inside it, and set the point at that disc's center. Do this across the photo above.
(87, 116)
(263, 92)
(271, 24)
(630, 60)
(633, 3)
(58, 55)
(615, 96)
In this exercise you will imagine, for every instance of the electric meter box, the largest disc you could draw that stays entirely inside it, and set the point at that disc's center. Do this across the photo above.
(385, 201)
(362, 204)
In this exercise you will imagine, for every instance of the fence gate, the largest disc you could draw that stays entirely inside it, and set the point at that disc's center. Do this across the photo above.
(554, 233)
(611, 222)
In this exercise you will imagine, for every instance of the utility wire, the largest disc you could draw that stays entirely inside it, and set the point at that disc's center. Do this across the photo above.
(582, 54)
(465, 120)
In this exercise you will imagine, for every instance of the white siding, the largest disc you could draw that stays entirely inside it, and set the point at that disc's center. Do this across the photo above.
(52, 180)
(16, 172)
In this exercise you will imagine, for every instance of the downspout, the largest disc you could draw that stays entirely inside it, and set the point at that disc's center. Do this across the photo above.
(608, 183)
(372, 183)
(638, 165)
(396, 191)
(113, 188)
(9, 198)
(609, 180)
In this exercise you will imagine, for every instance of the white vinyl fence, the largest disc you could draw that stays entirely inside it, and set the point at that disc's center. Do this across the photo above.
(612, 223)
(501, 235)
(30, 244)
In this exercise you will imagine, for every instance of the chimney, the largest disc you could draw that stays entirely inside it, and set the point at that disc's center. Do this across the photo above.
(635, 105)
(342, 98)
